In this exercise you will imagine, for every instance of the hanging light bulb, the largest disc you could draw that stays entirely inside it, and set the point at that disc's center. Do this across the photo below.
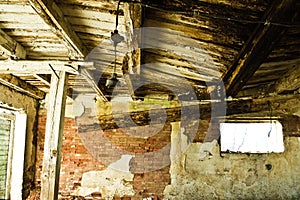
(116, 38)
(111, 82)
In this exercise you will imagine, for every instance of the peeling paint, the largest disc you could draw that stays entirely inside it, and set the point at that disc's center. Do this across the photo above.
(113, 181)
(236, 176)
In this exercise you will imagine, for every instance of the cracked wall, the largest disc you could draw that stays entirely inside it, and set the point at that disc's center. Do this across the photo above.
(202, 172)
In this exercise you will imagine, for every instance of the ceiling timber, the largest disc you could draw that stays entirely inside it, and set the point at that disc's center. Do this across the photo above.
(248, 45)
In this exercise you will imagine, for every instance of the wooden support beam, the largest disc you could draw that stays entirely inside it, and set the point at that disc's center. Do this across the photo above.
(21, 86)
(279, 104)
(54, 17)
(53, 137)
(13, 48)
(132, 60)
(289, 81)
(259, 45)
(90, 79)
(127, 78)
(39, 67)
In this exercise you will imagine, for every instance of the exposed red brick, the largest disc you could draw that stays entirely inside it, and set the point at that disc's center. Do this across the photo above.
(77, 159)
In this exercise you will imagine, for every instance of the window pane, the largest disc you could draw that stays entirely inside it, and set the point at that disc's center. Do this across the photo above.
(252, 137)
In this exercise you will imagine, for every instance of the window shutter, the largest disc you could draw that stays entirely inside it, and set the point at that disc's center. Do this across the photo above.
(5, 128)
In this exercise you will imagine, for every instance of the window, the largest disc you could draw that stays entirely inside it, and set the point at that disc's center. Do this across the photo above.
(256, 137)
(12, 149)
(6, 127)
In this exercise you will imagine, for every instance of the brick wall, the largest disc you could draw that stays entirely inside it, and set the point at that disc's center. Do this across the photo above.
(81, 152)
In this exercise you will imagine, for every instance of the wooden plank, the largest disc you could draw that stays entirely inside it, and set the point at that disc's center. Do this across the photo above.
(289, 81)
(259, 45)
(54, 17)
(53, 137)
(21, 86)
(10, 45)
(39, 66)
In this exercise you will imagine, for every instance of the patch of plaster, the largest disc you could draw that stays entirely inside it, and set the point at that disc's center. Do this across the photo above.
(113, 181)
(236, 176)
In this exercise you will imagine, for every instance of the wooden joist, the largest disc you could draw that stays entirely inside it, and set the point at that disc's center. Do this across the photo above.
(13, 48)
(54, 17)
(259, 45)
(21, 86)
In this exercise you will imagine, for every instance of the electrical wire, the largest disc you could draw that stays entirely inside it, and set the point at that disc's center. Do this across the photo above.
(204, 15)
(54, 71)
(270, 112)
(115, 63)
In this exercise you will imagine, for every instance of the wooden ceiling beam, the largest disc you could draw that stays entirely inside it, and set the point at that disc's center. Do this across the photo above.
(53, 16)
(277, 104)
(39, 66)
(21, 86)
(13, 48)
(259, 45)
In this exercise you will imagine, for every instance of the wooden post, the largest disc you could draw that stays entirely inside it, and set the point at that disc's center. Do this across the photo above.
(53, 136)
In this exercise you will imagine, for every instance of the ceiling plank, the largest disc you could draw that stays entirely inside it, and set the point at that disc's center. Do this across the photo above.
(53, 16)
(11, 46)
(289, 81)
(21, 86)
(259, 45)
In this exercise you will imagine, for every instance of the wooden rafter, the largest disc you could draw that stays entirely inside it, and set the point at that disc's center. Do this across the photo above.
(90, 79)
(21, 86)
(259, 45)
(11, 46)
(53, 16)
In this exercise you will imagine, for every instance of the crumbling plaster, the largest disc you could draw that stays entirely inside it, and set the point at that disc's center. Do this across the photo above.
(215, 175)
(30, 106)
(115, 180)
